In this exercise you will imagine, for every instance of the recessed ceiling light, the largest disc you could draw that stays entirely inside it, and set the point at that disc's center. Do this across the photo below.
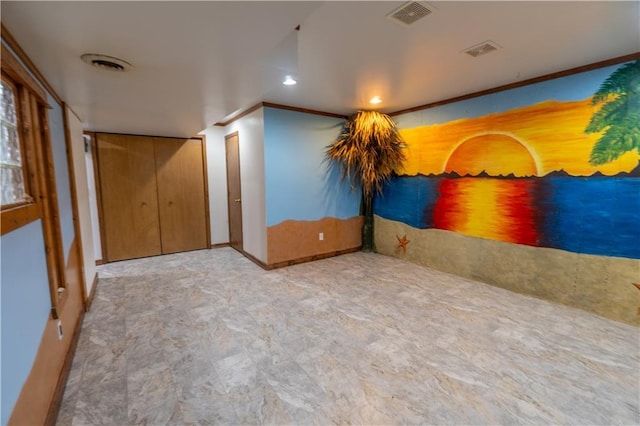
(375, 100)
(105, 62)
(289, 81)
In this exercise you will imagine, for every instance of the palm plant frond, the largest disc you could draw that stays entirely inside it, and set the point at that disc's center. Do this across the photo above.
(368, 149)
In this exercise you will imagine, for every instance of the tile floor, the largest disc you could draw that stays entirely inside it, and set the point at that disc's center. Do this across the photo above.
(208, 337)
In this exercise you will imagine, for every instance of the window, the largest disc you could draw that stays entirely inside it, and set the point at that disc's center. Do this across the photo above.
(21, 141)
(17, 165)
(12, 176)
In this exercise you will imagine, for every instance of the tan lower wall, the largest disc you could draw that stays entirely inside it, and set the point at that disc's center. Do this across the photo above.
(298, 239)
(38, 393)
(598, 284)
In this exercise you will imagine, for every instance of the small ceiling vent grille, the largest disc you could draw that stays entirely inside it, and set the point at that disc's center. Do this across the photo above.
(410, 12)
(482, 48)
(105, 62)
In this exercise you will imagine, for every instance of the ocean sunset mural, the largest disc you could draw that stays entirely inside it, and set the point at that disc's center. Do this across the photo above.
(527, 176)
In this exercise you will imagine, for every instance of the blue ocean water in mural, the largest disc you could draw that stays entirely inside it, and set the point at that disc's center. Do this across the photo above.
(402, 196)
(592, 215)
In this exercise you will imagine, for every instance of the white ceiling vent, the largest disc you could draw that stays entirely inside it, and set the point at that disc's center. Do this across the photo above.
(482, 48)
(410, 12)
(105, 62)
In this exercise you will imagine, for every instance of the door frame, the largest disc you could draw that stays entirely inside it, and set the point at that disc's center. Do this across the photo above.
(235, 134)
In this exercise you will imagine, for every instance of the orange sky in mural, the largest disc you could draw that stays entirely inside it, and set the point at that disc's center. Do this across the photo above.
(479, 154)
(552, 131)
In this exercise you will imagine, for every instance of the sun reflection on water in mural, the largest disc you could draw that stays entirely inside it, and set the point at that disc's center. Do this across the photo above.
(488, 208)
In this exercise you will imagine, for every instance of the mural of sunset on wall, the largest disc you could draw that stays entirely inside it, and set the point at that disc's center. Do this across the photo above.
(528, 175)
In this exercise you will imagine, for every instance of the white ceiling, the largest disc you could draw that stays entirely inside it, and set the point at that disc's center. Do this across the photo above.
(195, 63)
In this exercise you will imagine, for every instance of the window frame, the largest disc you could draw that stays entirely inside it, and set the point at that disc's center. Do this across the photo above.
(23, 154)
(17, 215)
(38, 169)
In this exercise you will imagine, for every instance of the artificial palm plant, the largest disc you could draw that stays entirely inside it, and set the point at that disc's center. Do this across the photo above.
(368, 151)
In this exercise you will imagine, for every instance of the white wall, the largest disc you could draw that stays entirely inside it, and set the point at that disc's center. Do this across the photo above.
(251, 144)
(82, 193)
(217, 182)
(93, 203)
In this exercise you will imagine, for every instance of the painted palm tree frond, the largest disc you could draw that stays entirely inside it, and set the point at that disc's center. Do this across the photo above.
(619, 82)
(611, 112)
(619, 115)
(617, 140)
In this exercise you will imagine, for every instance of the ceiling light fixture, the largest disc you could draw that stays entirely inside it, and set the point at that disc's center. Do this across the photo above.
(289, 81)
(105, 62)
(375, 100)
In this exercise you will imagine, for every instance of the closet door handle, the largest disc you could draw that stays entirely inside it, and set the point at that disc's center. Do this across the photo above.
(143, 204)
(170, 203)
(237, 200)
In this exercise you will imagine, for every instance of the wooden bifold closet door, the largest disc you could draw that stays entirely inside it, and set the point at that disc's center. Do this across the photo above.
(131, 227)
(153, 195)
(181, 194)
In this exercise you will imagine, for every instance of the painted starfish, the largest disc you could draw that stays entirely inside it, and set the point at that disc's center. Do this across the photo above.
(402, 243)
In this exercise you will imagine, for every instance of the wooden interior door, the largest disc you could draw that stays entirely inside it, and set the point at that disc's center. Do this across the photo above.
(181, 194)
(234, 198)
(129, 196)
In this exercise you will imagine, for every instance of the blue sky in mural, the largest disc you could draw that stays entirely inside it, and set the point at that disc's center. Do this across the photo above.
(298, 185)
(582, 86)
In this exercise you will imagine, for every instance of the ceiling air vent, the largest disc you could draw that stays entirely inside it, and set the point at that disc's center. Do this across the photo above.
(105, 62)
(482, 48)
(410, 12)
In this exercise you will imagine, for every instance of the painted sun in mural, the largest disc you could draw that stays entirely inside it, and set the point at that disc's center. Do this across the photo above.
(479, 153)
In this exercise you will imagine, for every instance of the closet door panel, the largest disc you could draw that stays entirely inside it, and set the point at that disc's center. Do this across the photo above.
(181, 194)
(129, 196)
